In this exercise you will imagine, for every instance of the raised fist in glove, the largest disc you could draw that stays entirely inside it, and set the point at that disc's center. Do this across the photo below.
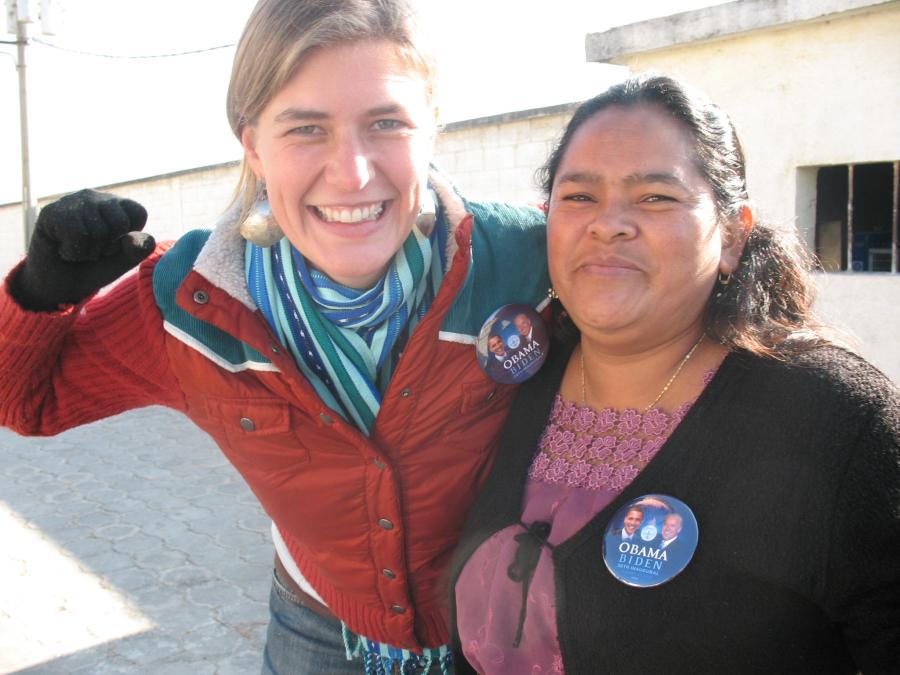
(81, 243)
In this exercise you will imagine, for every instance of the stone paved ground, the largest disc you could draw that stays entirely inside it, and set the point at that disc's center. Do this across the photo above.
(129, 546)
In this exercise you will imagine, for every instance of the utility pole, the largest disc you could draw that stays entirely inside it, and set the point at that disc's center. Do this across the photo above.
(20, 13)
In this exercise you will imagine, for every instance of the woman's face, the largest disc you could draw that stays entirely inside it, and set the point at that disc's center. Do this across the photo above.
(633, 242)
(344, 150)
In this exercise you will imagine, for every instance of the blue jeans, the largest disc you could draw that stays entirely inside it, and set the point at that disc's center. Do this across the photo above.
(301, 642)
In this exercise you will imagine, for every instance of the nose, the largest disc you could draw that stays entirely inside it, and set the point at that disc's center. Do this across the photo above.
(612, 221)
(349, 167)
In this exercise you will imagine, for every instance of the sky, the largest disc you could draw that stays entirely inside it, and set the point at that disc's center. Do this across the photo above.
(95, 120)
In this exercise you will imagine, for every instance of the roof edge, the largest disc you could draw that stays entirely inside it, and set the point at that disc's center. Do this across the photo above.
(515, 116)
(711, 23)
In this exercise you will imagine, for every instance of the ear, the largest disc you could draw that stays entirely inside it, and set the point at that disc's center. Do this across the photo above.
(733, 244)
(251, 156)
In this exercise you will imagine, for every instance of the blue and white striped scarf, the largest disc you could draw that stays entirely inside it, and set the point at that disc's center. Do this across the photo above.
(346, 342)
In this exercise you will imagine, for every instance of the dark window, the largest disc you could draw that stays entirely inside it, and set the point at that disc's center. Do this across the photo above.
(856, 217)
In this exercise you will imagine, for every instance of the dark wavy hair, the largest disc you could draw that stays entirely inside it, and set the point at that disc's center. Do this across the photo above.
(765, 308)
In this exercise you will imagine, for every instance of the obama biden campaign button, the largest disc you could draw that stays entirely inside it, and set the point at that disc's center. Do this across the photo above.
(512, 344)
(650, 540)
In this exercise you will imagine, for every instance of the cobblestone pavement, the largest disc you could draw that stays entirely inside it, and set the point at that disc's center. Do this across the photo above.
(129, 546)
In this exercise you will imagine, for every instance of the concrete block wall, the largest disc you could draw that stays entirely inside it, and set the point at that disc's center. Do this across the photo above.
(175, 204)
(495, 158)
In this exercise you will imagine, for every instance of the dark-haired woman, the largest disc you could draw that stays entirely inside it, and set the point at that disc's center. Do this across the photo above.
(691, 386)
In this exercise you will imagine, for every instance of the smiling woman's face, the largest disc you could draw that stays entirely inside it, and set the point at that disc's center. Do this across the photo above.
(344, 150)
(633, 242)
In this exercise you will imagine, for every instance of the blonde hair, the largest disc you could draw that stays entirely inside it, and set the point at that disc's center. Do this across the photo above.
(280, 34)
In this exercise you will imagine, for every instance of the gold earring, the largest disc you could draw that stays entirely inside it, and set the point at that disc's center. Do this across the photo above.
(551, 293)
(723, 280)
(260, 226)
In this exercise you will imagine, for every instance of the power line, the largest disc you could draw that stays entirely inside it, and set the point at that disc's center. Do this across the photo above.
(124, 56)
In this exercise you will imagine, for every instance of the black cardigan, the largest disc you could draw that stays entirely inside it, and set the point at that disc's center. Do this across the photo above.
(793, 472)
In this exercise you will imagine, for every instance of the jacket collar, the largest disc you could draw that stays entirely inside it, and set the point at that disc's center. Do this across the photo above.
(221, 260)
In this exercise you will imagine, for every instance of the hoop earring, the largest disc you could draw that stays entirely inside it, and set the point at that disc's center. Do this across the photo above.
(722, 280)
(260, 226)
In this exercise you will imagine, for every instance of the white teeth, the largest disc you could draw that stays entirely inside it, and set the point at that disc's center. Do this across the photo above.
(358, 214)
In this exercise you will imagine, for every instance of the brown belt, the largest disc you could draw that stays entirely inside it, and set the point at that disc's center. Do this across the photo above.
(290, 591)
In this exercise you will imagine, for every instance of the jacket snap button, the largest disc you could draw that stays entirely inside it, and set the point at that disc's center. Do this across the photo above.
(397, 609)
(275, 349)
(326, 418)
(389, 573)
(247, 424)
(386, 524)
(379, 464)
(200, 297)
(405, 393)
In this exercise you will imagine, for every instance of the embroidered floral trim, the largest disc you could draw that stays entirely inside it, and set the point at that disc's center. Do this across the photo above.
(601, 449)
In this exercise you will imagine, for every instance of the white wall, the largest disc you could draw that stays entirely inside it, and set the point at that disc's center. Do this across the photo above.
(12, 236)
(498, 160)
(176, 203)
(866, 308)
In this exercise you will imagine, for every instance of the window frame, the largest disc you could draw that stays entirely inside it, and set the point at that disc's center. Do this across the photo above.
(848, 252)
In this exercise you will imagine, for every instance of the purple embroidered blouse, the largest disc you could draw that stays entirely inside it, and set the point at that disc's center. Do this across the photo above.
(585, 459)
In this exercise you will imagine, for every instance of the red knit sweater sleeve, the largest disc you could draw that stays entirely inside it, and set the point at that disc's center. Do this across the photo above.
(86, 362)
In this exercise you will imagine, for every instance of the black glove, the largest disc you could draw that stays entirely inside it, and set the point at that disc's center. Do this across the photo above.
(81, 243)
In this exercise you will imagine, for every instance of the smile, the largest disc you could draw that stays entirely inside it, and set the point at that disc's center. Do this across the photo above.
(350, 214)
(608, 266)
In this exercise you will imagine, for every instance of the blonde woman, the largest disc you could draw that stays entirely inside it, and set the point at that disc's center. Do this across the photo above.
(328, 351)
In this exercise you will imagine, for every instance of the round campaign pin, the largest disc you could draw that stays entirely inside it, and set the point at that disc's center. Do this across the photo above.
(650, 540)
(512, 344)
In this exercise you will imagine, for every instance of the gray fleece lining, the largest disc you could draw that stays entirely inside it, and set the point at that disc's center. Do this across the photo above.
(216, 260)
(453, 206)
